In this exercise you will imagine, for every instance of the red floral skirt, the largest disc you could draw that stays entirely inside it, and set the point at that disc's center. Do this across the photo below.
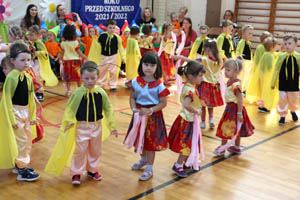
(167, 64)
(180, 136)
(155, 133)
(228, 123)
(71, 70)
(210, 94)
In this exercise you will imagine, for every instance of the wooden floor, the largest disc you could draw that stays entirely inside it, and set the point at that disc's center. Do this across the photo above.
(267, 169)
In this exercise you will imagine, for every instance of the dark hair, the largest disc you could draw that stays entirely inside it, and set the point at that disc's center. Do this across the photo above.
(57, 7)
(235, 63)
(190, 21)
(134, 30)
(290, 36)
(34, 29)
(212, 45)
(16, 48)
(232, 15)
(89, 66)
(147, 29)
(192, 67)
(6, 61)
(69, 32)
(27, 17)
(111, 22)
(16, 32)
(152, 58)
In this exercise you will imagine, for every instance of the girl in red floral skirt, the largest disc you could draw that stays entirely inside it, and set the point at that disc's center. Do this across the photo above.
(71, 55)
(209, 89)
(235, 122)
(147, 130)
(181, 134)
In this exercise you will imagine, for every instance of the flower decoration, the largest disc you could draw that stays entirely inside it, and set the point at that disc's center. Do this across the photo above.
(49, 9)
(4, 9)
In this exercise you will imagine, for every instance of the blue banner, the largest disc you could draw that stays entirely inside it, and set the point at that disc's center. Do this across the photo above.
(98, 12)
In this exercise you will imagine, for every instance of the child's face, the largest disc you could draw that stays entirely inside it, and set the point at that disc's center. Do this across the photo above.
(22, 61)
(230, 72)
(228, 29)
(137, 36)
(174, 18)
(149, 69)
(44, 33)
(51, 36)
(89, 79)
(92, 32)
(68, 21)
(198, 79)
(208, 52)
(248, 34)
(126, 34)
(203, 32)
(290, 45)
(33, 36)
(6, 69)
(111, 29)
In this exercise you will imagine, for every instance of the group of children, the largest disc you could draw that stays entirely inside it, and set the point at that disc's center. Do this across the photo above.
(88, 117)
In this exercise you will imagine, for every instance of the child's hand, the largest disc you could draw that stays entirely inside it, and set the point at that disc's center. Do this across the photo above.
(32, 122)
(240, 117)
(15, 126)
(145, 111)
(115, 133)
(68, 127)
(272, 87)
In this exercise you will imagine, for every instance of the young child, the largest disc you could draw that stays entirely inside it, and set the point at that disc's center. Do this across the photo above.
(156, 38)
(6, 66)
(133, 54)
(44, 31)
(15, 33)
(224, 40)
(41, 65)
(85, 126)
(174, 21)
(182, 133)
(260, 50)
(146, 39)
(235, 122)
(259, 88)
(286, 74)
(17, 114)
(147, 99)
(167, 51)
(197, 48)
(53, 49)
(110, 44)
(87, 40)
(209, 89)
(245, 51)
(71, 54)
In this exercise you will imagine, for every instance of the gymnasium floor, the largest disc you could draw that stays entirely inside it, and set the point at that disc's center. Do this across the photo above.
(268, 167)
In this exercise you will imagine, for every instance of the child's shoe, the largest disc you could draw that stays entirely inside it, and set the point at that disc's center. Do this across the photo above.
(179, 171)
(146, 175)
(234, 149)
(76, 180)
(95, 176)
(190, 168)
(282, 121)
(16, 169)
(211, 123)
(24, 174)
(113, 89)
(202, 125)
(294, 116)
(263, 110)
(217, 153)
(138, 165)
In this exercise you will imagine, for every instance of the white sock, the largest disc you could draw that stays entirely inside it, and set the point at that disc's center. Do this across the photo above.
(149, 167)
(143, 159)
(178, 165)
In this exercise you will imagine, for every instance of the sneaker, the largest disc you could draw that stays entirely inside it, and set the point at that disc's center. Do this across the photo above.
(179, 171)
(211, 123)
(263, 110)
(138, 165)
(146, 175)
(25, 175)
(244, 94)
(122, 73)
(113, 89)
(202, 125)
(76, 180)
(40, 96)
(281, 121)
(68, 93)
(16, 169)
(217, 153)
(234, 149)
(294, 116)
(95, 176)
(190, 168)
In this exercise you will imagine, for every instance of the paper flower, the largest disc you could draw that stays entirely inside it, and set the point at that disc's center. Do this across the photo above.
(4, 9)
(49, 9)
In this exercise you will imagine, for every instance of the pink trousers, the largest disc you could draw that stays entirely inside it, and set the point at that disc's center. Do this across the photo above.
(108, 64)
(287, 101)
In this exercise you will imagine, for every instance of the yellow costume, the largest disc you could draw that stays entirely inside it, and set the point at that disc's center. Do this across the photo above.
(8, 145)
(198, 46)
(259, 52)
(221, 45)
(133, 56)
(64, 148)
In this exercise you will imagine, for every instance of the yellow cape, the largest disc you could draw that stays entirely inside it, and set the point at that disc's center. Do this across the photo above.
(133, 56)
(220, 42)
(195, 47)
(260, 50)
(241, 46)
(281, 58)
(8, 145)
(64, 148)
(45, 67)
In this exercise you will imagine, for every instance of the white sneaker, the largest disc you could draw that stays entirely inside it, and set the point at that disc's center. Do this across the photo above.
(146, 175)
(202, 125)
(211, 123)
